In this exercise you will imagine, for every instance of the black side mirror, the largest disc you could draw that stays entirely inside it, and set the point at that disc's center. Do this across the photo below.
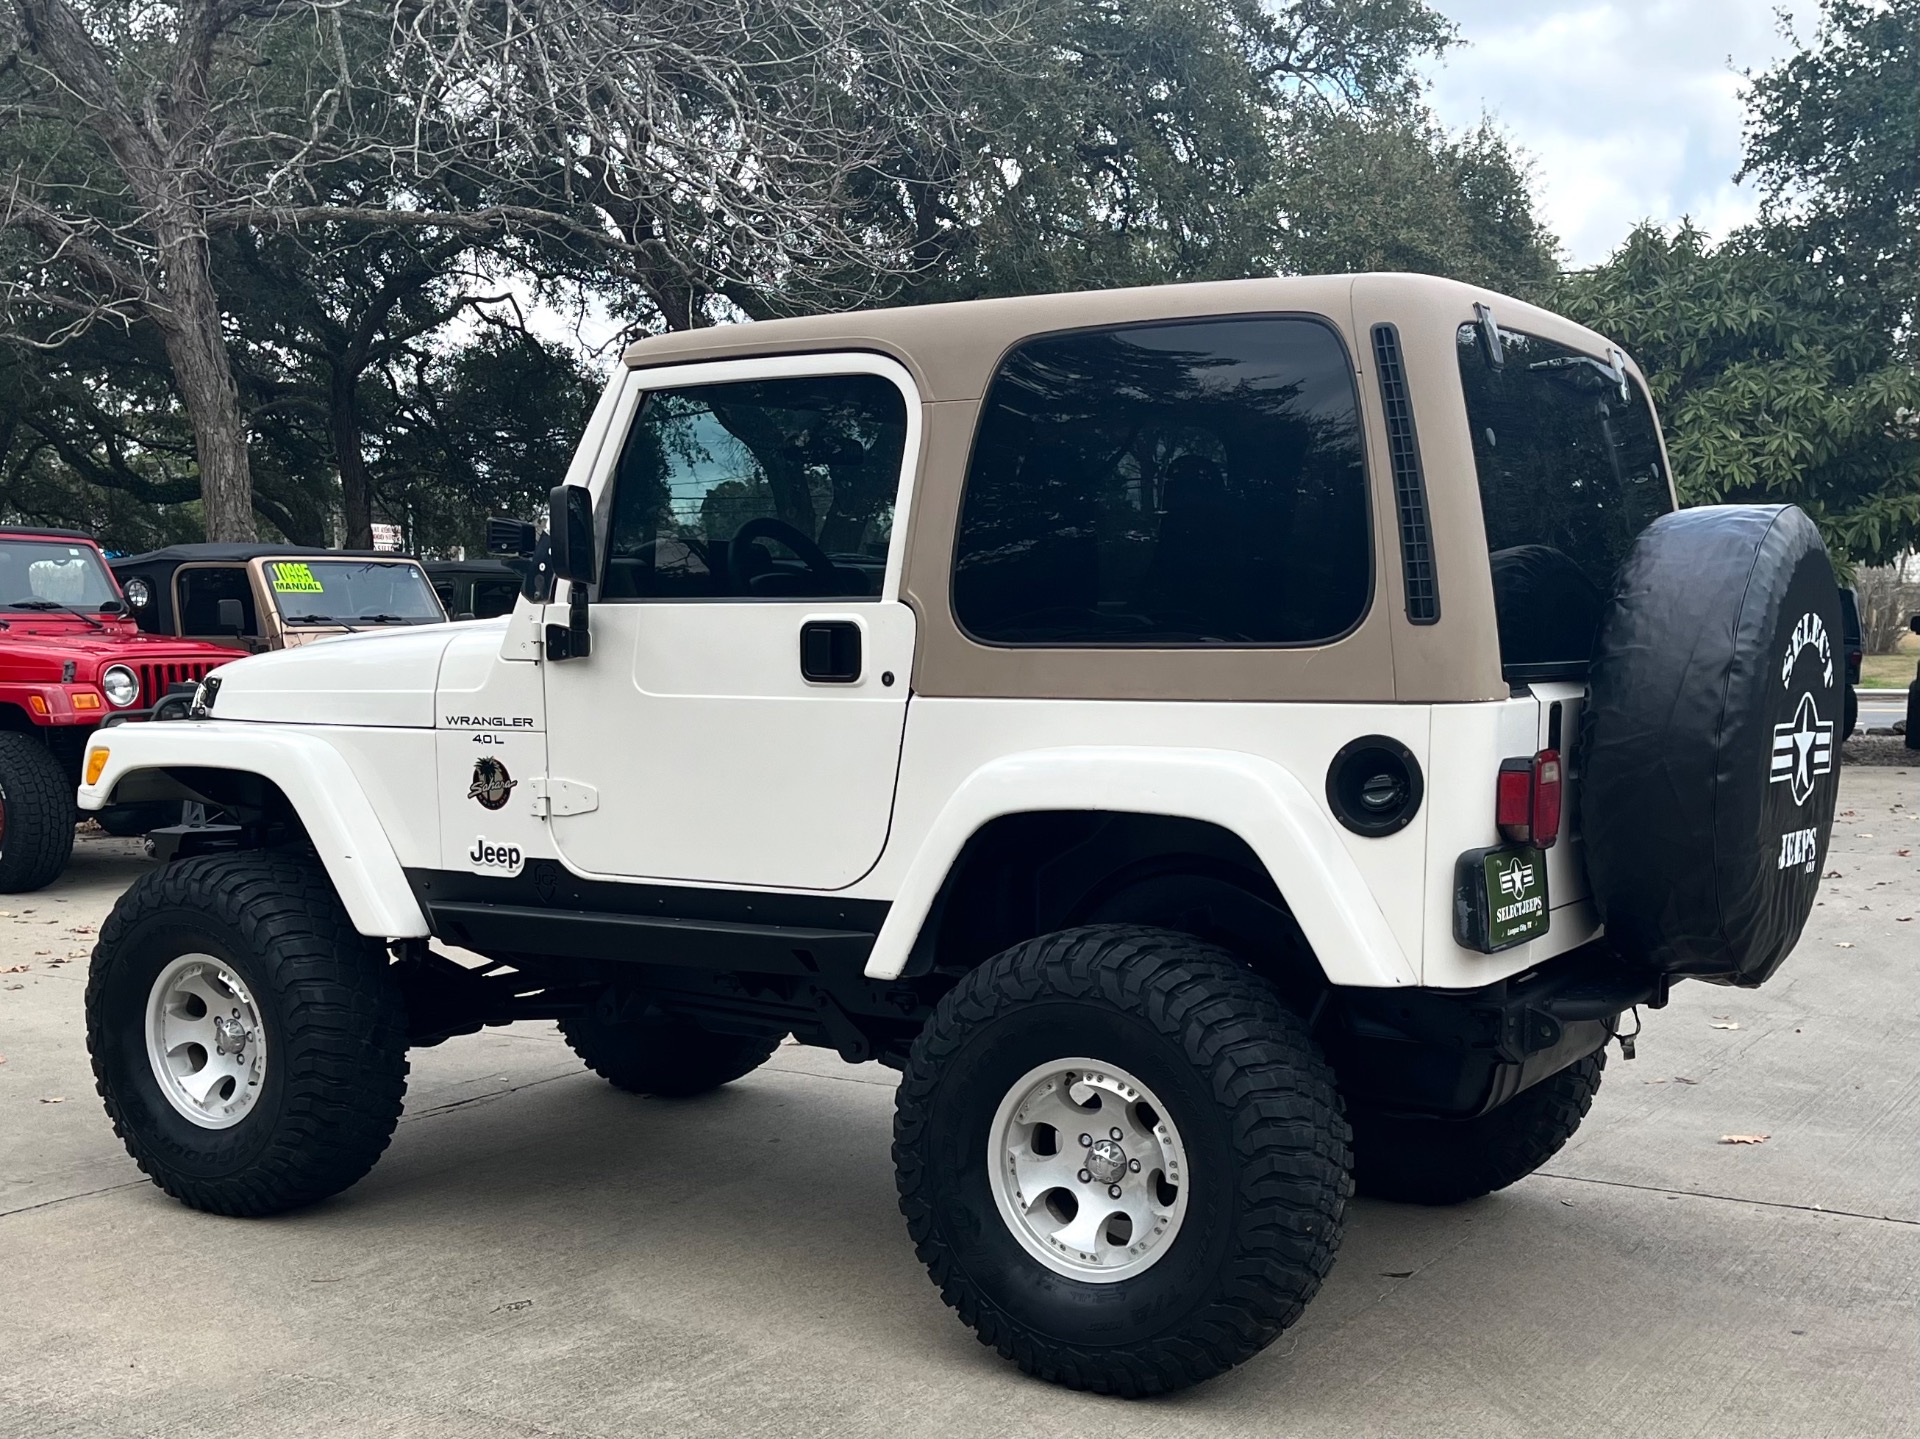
(230, 617)
(1913, 623)
(570, 532)
(573, 557)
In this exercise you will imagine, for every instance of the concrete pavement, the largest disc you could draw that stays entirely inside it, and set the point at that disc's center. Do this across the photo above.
(539, 1254)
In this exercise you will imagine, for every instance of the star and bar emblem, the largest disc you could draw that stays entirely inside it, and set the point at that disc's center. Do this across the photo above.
(1802, 750)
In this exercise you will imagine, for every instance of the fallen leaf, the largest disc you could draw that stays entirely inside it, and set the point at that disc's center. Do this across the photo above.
(1863, 836)
(1682, 1079)
(1724, 1024)
(16, 969)
(1843, 944)
(16, 986)
(1396, 1274)
(1903, 919)
(6, 914)
(1745, 1138)
(1904, 853)
(53, 1099)
(1832, 874)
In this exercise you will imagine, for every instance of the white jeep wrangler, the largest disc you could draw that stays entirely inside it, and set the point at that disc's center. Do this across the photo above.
(1225, 745)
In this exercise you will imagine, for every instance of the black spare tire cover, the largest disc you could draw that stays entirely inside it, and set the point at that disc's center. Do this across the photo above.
(1710, 760)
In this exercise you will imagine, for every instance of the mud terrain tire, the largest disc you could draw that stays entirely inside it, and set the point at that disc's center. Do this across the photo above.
(36, 815)
(1447, 1161)
(1711, 761)
(335, 1029)
(1256, 1112)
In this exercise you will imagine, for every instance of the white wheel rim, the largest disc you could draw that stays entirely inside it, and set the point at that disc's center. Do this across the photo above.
(1095, 1193)
(205, 1041)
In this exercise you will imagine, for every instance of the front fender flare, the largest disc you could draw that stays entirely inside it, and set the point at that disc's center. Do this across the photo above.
(1262, 803)
(317, 780)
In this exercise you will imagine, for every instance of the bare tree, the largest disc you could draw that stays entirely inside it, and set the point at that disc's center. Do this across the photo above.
(692, 148)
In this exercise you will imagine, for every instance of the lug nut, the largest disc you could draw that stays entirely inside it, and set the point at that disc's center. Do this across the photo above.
(1084, 1176)
(1113, 1191)
(1086, 1141)
(1134, 1165)
(1116, 1134)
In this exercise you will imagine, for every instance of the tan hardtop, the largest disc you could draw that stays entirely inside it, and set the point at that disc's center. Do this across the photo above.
(952, 349)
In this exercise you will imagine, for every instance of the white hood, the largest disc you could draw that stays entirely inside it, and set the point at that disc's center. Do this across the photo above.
(384, 677)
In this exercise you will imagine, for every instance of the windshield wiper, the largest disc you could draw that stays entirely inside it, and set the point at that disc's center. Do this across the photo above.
(383, 619)
(319, 620)
(51, 605)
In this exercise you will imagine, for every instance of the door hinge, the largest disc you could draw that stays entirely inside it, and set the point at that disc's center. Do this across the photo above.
(562, 796)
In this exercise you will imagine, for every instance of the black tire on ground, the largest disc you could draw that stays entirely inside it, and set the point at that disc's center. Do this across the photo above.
(1710, 763)
(36, 814)
(334, 1021)
(1244, 1085)
(1447, 1161)
(1852, 721)
(669, 1059)
(129, 821)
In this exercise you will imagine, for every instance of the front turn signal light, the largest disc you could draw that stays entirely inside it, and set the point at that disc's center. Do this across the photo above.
(96, 764)
(85, 700)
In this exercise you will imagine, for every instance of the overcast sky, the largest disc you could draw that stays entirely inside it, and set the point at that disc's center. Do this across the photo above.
(1630, 109)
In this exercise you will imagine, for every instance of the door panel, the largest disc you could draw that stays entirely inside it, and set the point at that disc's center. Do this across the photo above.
(715, 761)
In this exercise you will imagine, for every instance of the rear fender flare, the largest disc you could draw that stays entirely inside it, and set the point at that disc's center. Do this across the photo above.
(1256, 799)
(316, 779)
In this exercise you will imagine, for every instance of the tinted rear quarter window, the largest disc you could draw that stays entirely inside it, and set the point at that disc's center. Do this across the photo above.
(1198, 483)
(1570, 472)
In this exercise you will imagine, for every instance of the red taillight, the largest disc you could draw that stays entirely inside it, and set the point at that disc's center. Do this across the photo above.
(1546, 798)
(1527, 799)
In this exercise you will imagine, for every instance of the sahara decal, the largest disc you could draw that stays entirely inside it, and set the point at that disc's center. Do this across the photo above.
(491, 783)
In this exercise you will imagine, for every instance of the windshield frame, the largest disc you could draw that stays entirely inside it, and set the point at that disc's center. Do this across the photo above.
(282, 604)
(80, 610)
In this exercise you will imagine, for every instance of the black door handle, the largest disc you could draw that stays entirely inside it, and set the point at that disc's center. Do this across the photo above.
(830, 651)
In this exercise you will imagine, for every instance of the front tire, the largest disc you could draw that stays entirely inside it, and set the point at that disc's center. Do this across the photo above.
(1447, 1161)
(1177, 1060)
(249, 1044)
(36, 814)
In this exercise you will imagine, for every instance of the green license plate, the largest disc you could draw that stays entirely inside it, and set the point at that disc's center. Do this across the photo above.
(1500, 897)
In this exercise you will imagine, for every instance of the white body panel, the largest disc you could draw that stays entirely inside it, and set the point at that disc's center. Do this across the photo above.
(384, 677)
(715, 762)
(317, 778)
(713, 759)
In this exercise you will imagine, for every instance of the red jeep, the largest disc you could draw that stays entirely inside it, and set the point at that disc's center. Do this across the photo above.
(70, 655)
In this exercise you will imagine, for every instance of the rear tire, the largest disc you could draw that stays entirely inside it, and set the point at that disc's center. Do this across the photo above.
(319, 1064)
(669, 1059)
(1232, 1206)
(1448, 1161)
(36, 814)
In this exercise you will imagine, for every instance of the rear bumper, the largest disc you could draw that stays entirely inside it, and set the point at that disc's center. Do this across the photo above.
(1457, 1053)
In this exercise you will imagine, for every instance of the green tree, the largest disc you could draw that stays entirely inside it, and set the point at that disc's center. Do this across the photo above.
(1783, 358)
(1769, 388)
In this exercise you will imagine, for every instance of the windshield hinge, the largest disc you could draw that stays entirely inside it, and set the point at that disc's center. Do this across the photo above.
(1490, 345)
(1618, 360)
(553, 796)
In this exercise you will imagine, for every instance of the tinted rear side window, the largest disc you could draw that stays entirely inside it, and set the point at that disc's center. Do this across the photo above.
(1570, 473)
(1184, 484)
